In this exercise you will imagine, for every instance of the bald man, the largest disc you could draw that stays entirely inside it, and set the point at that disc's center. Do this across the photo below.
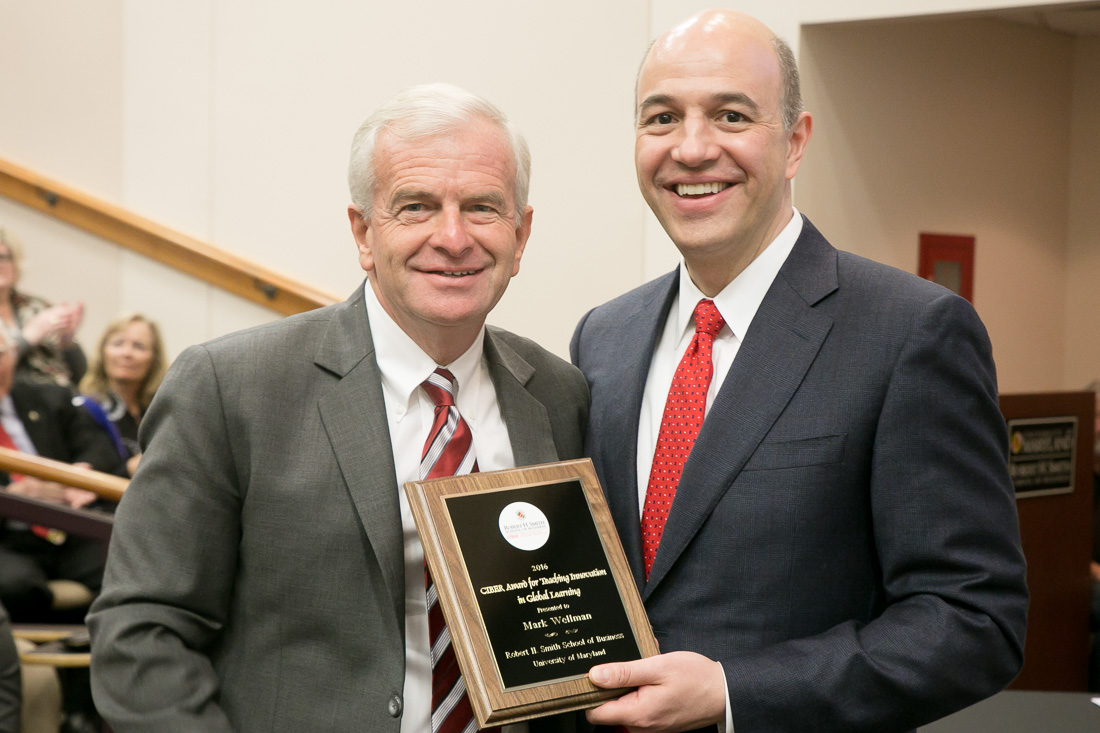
(802, 449)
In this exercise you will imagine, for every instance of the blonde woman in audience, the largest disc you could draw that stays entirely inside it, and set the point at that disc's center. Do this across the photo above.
(42, 333)
(126, 370)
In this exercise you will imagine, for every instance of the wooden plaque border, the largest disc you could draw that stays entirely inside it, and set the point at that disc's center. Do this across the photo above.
(492, 704)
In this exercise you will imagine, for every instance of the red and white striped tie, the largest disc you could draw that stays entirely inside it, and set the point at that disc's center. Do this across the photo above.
(449, 451)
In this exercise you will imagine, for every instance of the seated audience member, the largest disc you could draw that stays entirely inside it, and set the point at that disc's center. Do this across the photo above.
(41, 419)
(125, 372)
(42, 333)
(11, 689)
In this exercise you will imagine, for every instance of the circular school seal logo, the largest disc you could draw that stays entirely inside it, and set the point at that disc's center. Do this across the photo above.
(524, 526)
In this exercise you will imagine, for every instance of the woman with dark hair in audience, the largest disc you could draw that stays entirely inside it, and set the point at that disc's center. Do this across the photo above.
(126, 370)
(42, 333)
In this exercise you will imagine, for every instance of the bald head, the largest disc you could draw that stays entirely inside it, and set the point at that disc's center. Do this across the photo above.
(719, 27)
(715, 23)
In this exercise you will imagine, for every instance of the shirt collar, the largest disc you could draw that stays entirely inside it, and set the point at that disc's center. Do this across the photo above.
(404, 365)
(739, 301)
(7, 406)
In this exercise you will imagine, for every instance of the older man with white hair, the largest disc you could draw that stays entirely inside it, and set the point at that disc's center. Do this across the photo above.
(265, 573)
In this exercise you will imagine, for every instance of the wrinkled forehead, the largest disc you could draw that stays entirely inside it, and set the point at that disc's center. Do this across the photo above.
(478, 135)
(472, 156)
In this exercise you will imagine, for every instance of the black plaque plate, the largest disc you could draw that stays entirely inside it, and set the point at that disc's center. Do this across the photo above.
(552, 612)
(534, 586)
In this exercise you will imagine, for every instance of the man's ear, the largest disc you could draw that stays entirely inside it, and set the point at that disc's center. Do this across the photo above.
(799, 138)
(360, 229)
(523, 233)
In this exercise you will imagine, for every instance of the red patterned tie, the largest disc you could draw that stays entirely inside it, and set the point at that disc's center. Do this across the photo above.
(680, 424)
(449, 451)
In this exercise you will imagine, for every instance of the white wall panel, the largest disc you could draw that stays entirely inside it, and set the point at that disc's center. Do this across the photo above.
(167, 113)
(66, 265)
(293, 82)
(61, 83)
(61, 79)
(177, 302)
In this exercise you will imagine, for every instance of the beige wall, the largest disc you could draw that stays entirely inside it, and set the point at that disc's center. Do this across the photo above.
(61, 85)
(925, 126)
(230, 120)
(1082, 314)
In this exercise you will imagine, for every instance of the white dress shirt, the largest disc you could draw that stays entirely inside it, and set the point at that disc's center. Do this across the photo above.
(738, 303)
(15, 429)
(409, 413)
(13, 426)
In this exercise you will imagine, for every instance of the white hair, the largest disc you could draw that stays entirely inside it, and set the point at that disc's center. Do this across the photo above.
(431, 111)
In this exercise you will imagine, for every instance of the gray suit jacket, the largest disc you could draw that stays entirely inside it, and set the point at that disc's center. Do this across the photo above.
(844, 537)
(255, 579)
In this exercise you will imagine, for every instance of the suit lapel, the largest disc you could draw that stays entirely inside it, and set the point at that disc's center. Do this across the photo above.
(781, 344)
(641, 327)
(30, 409)
(526, 418)
(354, 416)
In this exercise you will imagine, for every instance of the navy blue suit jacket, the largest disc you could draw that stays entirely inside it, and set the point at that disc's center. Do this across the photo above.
(844, 537)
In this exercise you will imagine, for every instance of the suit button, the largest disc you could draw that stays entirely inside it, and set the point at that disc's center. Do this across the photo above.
(394, 707)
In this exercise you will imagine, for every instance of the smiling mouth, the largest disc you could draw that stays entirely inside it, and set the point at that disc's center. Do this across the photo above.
(688, 190)
(455, 273)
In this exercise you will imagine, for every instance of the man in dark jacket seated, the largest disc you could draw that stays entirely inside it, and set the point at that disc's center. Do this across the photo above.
(40, 419)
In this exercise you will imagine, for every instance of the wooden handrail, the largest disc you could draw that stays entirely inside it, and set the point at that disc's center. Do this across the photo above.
(104, 485)
(167, 246)
(42, 633)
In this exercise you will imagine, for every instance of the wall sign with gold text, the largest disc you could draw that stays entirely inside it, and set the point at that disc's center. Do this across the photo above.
(1041, 457)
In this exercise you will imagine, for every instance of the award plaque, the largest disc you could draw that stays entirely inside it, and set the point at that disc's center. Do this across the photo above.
(534, 586)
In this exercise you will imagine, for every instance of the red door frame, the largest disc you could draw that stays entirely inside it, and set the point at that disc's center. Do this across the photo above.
(948, 248)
